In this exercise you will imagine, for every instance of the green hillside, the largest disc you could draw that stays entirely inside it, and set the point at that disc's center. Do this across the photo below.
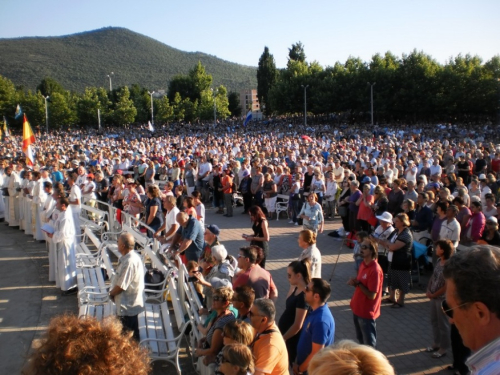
(85, 59)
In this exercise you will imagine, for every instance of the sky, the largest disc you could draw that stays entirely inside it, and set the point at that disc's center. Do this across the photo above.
(238, 31)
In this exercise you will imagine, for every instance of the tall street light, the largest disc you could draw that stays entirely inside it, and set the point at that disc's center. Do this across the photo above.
(152, 117)
(110, 85)
(215, 107)
(371, 97)
(46, 114)
(305, 103)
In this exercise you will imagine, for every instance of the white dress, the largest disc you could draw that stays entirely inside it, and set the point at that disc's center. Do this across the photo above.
(39, 197)
(76, 194)
(64, 238)
(14, 182)
(2, 203)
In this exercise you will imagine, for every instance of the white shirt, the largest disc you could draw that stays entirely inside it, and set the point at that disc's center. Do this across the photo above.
(170, 220)
(204, 168)
(450, 231)
(74, 194)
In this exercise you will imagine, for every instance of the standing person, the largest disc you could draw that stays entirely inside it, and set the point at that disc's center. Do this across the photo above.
(450, 228)
(295, 199)
(246, 192)
(132, 202)
(199, 207)
(292, 319)
(400, 244)
(307, 242)
(312, 214)
(154, 217)
(64, 238)
(343, 205)
(473, 305)
(102, 186)
(353, 206)
(189, 179)
(268, 347)
(396, 198)
(270, 191)
(436, 290)
(260, 229)
(365, 302)
(75, 200)
(319, 325)
(257, 187)
(331, 195)
(189, 237)
(12, 186)
(218, 195)
(170, 224)
(127, 286)
(204, 170)
(366, 215)
(227, 190)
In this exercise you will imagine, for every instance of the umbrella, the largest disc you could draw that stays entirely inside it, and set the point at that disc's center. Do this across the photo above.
(307, 138)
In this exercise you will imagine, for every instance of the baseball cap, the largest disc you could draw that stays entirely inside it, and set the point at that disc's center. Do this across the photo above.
(214, 229)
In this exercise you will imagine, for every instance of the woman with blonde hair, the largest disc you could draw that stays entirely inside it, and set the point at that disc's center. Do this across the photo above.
(307, 241)
(349, 358)
(237, 359)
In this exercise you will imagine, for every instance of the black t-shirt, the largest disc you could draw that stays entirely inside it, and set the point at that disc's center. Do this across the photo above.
(102, 185)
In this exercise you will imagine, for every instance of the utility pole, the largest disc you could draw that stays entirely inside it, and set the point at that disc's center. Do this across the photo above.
(305, 103)
(371, 97)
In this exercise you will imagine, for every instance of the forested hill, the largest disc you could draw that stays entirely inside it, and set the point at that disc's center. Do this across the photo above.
(85, 59)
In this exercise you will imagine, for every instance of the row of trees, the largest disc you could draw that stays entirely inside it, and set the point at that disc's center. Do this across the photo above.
(189, 98)
(411, 88)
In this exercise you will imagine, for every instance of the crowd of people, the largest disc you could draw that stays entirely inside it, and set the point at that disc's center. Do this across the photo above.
(391, 187)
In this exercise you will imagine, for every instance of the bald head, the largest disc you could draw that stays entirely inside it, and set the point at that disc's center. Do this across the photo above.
(126, 243)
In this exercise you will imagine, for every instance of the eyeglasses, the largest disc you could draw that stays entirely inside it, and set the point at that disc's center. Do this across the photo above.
(446, 309)
(364, 247)
(251, 314)
(218, 299)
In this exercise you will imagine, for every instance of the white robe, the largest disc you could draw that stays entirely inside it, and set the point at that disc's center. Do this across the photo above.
(26, 208)
(39, 197)
(2, 199)
(64, 238)
(14, 182)
(51, 219)
(74, 194)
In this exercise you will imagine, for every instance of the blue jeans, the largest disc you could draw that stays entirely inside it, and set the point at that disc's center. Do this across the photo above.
(366, 331)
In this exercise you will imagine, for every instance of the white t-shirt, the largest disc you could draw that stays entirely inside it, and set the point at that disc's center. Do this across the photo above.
(170, 220)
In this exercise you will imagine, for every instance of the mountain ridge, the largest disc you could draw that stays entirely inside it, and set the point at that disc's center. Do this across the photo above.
(86, 58)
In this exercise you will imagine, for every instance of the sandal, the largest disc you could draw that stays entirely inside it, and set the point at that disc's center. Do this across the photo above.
(431, 349)
(398, 306)
(387, 300)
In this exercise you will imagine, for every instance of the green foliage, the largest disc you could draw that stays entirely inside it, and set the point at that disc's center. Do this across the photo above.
(164, 111)
(83, 60)
(125, 111)
(297, 53)
(93, 99)
(62, 113)
(234, 104)
(266, 78)
(7, 97)
(49, 86)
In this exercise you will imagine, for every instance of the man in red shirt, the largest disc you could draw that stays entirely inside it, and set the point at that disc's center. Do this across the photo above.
(254, 276)
(365, 303)
(227, 189)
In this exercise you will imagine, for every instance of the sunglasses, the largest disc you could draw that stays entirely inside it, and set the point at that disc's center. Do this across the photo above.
(251, 314)
(364, 247)
(446, 309)
(218, 299)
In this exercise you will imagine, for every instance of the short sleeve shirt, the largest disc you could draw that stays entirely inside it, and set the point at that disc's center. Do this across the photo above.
(129, 277)
(271, 356)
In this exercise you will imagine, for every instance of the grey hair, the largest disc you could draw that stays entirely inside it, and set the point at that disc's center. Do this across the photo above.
(127, 240)
(475, 273)
(266, 307)
(355, 183)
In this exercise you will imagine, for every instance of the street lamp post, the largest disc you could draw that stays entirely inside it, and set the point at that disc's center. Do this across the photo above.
(110, 85)
(46, 114)
(215, 107)
(371, 97)
(305, 103)
(152, 117)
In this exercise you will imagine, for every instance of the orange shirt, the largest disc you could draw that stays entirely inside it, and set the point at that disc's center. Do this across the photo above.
(271, 356)
(227, 180)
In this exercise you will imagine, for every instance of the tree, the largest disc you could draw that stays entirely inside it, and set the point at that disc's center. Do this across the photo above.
(297, 53)
(93, 99)
(49, 86)
(164, 112)
(266, 78)
(201, 81)
(182, 85)
(142, 103)
(7, 97)
(33, 106)
(125, 111)
(234, 104)
(60, 111)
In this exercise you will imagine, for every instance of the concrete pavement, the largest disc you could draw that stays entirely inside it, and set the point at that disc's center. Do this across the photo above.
(28, 300)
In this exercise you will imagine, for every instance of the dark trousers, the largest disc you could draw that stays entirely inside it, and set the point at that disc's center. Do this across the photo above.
(460, 352)
(247, 201)
(131, 323)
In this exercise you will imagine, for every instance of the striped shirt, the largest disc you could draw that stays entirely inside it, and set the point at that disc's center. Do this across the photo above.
(486, 361)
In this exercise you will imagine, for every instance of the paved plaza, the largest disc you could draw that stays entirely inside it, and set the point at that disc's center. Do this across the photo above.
(28, 300)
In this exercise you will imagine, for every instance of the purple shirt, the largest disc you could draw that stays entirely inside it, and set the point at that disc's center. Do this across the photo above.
(352, 201)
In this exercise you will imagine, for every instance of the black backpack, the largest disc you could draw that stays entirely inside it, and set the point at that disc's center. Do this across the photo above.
(154, 276)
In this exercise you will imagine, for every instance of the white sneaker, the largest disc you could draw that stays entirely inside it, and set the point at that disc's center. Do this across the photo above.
(296, 224)
(290, 222)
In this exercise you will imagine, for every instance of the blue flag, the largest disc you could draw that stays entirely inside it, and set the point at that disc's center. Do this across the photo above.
(248, 118)
(18, 113)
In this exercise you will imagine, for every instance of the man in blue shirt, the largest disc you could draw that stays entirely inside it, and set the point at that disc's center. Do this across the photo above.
(189, 237)
(318, 330)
